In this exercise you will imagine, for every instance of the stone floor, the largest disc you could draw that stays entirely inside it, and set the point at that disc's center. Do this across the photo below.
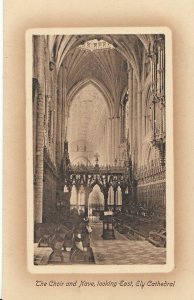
(120, 251)
(124, 251)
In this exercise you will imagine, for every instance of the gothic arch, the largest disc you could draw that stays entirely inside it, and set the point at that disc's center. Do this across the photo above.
(81, 157)
(64, 43)
(150, 153)
(80, 85)
(96, 182)
(147, 153)
(96, 190)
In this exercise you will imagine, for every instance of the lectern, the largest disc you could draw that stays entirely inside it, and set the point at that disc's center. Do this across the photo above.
(108, 229)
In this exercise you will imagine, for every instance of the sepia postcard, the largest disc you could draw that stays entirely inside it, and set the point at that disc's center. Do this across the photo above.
(99, 150)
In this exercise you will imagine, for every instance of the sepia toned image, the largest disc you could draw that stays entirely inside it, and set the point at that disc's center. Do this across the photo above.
(100, 154)
(97, 197)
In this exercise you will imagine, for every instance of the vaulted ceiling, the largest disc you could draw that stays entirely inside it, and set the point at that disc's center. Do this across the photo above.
(128, 45)
(106, 67)
(96, 80)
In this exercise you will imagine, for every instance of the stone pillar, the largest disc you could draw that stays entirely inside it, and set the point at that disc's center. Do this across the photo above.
(110, 141)
(134, 120)
(39, 41)
(123, 199)
(106, 146)
(117, 137)
(113, 140)
(35, 103)
(59, 118)
(77, 192)
(55, 120)
(115, 194)
(139, 123)
(64, 106)
(105, 193)
(130, 99)
(122, 122)
(87, 193)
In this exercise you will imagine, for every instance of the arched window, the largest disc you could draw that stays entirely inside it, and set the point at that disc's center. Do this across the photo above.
(148, 113)
(73, 199)
(111, 197)
(81, 196)
(119, 196)
(127, 119)
(96, 199)
(124, 114)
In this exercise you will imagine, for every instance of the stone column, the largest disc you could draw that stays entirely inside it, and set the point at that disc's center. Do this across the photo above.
(105, 193)
(123, 199)
(76, 194)
(105, 145)
(110, 141)
(35, 103)
(134, 121)
(122, 123)
(64, 112)
(113, 140)
(130, 99)
(38, 193)
(59, 118)
(115, 192)
(87, 193)
(55, 120)
(139, 123)
(118, 136)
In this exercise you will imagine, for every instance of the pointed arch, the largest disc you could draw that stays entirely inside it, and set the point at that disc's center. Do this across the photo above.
(80, 85)
(81, 157)
(147, 153)
(96, 199)
(66, 43)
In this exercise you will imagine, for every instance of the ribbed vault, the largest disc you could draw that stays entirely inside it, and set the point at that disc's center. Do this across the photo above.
(104, 66)
(130, 46)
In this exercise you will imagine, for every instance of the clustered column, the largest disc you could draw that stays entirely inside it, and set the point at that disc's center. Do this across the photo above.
(130, 99)
(38, 197)
(59, 118)
(139, 122)
(134, 120)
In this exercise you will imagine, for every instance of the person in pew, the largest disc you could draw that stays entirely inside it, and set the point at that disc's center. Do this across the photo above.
(81, 250)
(45, 240)
(77, 251)
(56, 244)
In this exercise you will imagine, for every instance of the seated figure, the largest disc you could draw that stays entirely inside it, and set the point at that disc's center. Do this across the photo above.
(68, 241)
(77, 251)
(45, 240)
(81, 251)
(56, 244)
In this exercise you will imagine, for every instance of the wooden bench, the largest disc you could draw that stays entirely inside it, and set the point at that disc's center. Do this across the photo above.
(158, 238)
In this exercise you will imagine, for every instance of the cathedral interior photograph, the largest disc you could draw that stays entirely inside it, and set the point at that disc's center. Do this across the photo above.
(99, 149)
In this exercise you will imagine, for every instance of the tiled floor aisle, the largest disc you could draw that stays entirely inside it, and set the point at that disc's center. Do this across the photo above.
(123, 251)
